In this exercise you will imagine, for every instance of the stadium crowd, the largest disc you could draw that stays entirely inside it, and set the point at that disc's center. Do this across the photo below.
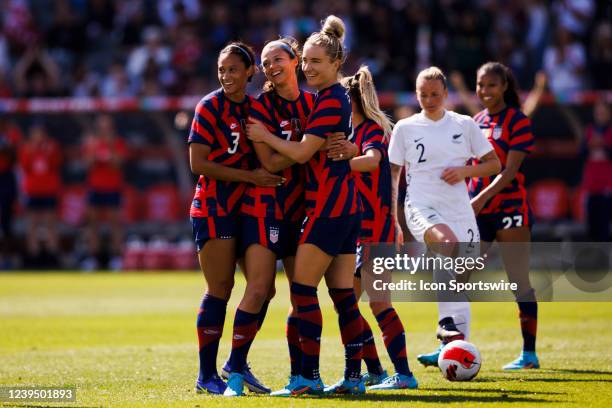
(168, 47)
(133, 48)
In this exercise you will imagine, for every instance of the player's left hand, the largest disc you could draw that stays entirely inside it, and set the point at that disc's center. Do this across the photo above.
(454, 175)
(342, 149)
(256, 131)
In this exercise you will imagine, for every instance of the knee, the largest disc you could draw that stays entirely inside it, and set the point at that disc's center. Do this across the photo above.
(221, 289)
(271, 292)
(256, 294)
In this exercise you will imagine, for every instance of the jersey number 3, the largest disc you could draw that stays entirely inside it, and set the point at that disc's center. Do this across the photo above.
(235, 140)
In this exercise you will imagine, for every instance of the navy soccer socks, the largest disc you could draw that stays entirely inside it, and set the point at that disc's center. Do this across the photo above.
(211, 317)
(351, 330)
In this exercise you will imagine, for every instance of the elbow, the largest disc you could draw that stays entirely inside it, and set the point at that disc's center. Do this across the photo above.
(497, 166)
(301, 158)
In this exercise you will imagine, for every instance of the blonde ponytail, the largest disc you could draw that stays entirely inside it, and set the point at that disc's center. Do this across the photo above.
(362, 90)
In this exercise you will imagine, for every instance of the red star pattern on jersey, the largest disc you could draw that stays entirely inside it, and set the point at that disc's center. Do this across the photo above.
(374, 187)
(220, 124)
(287, 120)
(507, 130)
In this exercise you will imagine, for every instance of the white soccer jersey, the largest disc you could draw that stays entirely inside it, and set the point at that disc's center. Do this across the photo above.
(426, 148)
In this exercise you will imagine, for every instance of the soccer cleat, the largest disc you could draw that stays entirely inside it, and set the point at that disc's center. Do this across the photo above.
(526, 360)
(214, 385)
(251, 382)
(396, 382)
(430, 359)
(300, 385)
(345, 386)
(374, 379)
(235, 385)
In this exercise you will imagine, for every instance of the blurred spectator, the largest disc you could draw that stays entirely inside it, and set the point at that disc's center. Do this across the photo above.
(36, 74)
(104, 153)
(40, 163)
(601, 56)
(597, 174)
(10, 137)
(574, 15)
(116, 83)
(152, 50)
(565, 63)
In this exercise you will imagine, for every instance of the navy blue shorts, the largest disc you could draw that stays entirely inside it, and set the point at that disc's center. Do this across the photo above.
(100, 199)
(41, 203)
(207, 228)
(279, 236)
(332, 235)
(489, 224)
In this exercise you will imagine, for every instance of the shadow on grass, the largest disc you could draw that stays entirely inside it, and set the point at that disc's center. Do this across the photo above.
(577, 371)
(436, 399)
(494, 391)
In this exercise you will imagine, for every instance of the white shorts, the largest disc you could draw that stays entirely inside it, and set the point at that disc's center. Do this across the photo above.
(420, 219)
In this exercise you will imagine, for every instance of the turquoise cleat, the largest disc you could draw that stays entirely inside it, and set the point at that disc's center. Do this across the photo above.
(344, 386)
(526, 360)
(235, 385)
(299, 385)
(396, 382)
(374, 379)
(430, 359)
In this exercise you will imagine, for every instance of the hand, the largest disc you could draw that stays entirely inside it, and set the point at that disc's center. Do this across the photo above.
(333, 138)
(456, 80)
(540, 80)
(454, 175)
(342, 149)
(261, 177)
(256, 131)
(399, 237)
(478, 204)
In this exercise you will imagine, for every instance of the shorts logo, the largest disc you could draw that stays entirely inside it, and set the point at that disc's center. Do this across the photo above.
(497, 132)
(274, 235)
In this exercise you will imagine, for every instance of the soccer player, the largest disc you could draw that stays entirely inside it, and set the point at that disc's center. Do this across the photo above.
(370, 166)
(221, 155)
(500, 202)
(329, 232)
(434, 146)
(104, 152)
(40, 161)
(272, 216)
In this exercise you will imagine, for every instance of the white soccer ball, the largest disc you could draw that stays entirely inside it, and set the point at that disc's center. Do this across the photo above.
(459, 361)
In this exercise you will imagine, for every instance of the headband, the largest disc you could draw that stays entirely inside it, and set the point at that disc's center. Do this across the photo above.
(283, 45)
(245, 52)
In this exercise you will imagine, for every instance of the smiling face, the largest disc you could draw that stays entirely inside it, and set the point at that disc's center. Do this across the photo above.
(490, 89)
(320, 71)
(233, 75)
(278, 66)
(431, 95)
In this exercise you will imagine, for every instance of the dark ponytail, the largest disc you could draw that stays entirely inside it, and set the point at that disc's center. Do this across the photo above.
(511, 96)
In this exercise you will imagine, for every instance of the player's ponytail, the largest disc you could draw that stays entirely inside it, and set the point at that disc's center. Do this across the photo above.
(362, 90)
(291, 47)
(330, 38)
(511, 96)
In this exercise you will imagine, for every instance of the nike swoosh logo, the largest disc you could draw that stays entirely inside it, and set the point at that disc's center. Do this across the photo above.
(457, 136)
(416, 140)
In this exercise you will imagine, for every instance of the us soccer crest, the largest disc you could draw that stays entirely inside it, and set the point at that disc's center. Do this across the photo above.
(273, 235)
(497, 132)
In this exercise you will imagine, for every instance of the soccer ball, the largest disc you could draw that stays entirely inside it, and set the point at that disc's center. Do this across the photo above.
(459, 361)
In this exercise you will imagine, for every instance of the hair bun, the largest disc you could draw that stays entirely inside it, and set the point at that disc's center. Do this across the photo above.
(333, 26)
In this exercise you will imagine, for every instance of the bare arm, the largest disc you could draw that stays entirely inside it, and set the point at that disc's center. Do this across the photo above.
(270, 160)
(366, 162)
(299, 152)
(199, 163)
(464, 93)
(535, 95)
(489, 165)
(503, 179)
(396, 172)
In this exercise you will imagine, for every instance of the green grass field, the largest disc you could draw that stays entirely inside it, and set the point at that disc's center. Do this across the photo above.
(129, 340)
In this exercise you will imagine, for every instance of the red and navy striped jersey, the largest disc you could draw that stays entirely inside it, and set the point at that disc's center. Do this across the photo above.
(220, 124)
(287, 120)
(507, 130)
(330, 187)
(374, 187)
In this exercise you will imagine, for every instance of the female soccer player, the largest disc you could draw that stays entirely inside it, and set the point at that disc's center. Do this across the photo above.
(500, 202)
(370, 166)
(434, 146)
(329, 232)
(272, 216)
(220, 153)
